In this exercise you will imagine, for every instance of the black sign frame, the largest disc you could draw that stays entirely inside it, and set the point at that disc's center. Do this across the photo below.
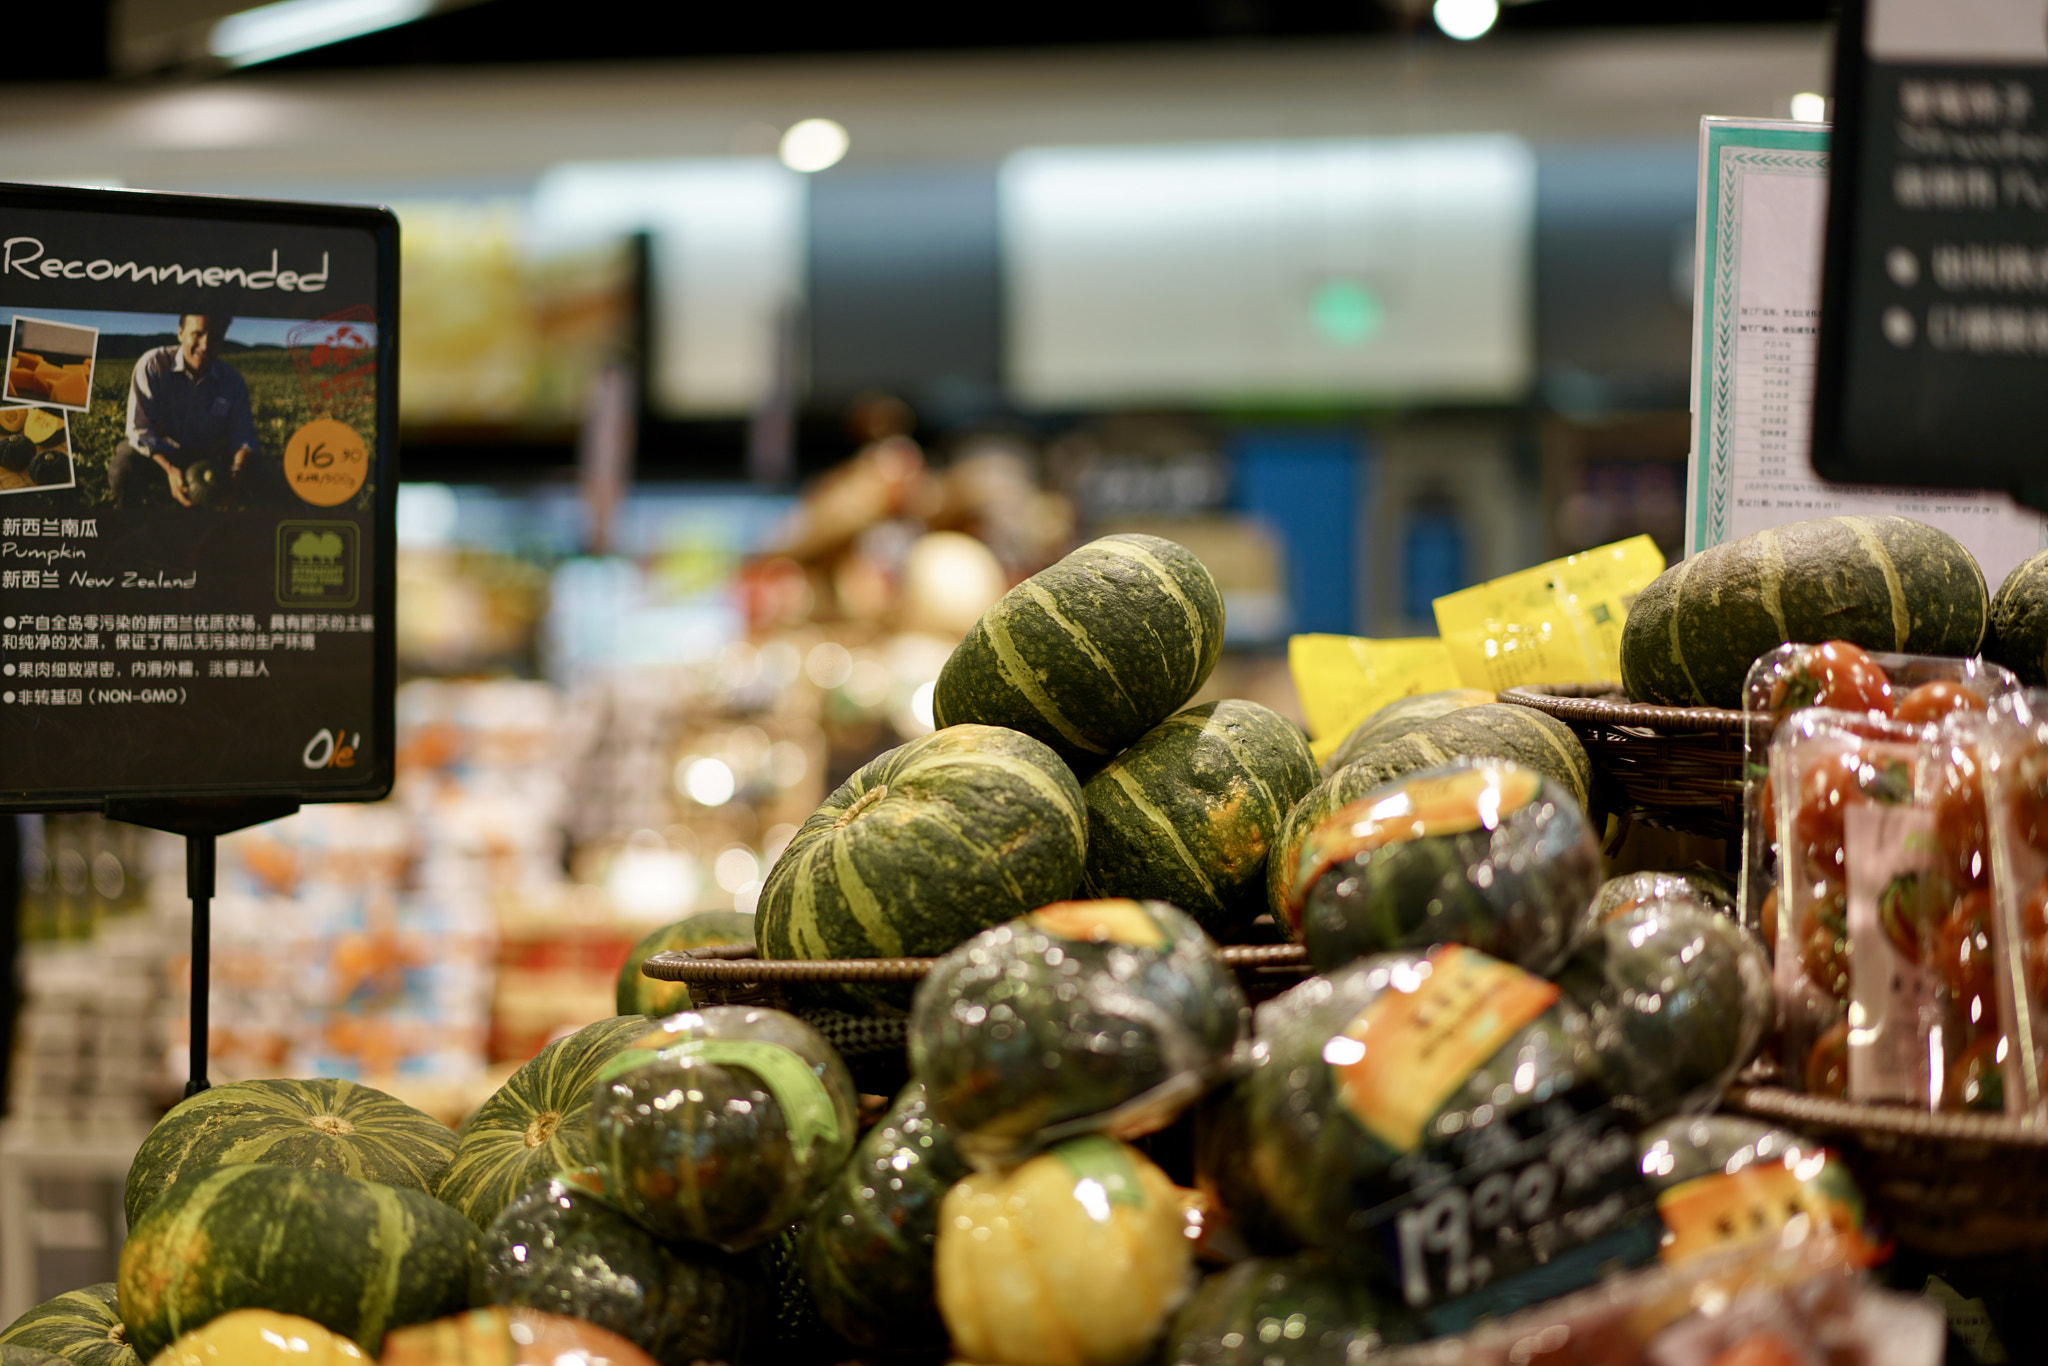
(211, 805)
(1892, 404)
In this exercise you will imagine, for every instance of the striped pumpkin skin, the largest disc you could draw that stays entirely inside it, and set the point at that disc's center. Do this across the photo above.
(12, 1355)
(1398, 717)
(925, 846)
(1498, 730)
(1189, 812)
(2018, 637)
(80, 1326)
(639, 994)
(1091, 653)
(538, 1122)
(1885, 583)
(355, 1256)
(320, 1123)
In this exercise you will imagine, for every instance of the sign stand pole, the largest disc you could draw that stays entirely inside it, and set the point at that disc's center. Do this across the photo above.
(199, 886)
(200, 820)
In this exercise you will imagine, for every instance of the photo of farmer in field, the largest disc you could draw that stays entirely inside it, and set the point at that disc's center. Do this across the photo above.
(195, 411)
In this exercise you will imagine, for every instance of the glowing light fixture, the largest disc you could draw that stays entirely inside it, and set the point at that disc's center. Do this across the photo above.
(1808, 107)
(814, 144)
(268, 32)
(1465, 19)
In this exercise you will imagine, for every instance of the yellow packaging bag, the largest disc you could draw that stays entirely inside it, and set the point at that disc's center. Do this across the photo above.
(1341, 680)
(1555, 623)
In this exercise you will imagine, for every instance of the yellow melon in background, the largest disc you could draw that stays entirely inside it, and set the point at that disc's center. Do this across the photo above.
(260, 1337)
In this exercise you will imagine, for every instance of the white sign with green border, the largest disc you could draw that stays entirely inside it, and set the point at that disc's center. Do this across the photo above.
(1756, 312)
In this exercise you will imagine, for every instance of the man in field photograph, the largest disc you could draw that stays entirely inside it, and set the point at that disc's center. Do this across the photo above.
(190, 431)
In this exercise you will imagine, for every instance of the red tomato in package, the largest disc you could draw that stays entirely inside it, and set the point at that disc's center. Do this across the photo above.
(1832, 784)
(1836, 674)
(1931, 701)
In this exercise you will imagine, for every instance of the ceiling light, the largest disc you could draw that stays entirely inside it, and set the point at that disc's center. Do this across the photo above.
(1465, 19)
(813, 144)
(271, 31)
(1808, 107)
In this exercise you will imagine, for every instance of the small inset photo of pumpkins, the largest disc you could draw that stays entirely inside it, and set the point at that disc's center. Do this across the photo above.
(35, 450)
(50, 363)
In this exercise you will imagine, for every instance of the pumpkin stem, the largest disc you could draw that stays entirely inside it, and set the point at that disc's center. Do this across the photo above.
(543, 1128)
(860, 806)
(333, 1125)
(118, 1335)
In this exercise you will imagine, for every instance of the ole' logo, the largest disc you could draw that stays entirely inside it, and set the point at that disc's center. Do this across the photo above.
(332, 749)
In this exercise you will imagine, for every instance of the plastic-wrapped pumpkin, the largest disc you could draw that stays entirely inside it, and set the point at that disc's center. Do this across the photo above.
(722, 1125)
(1721, 1180)
(1389, 1073)
(1483, 853)
(259, 1337)
(867, 1252)
(1075, 1258)
(562, 1247)
(1082, 1016)
(1294, 1311)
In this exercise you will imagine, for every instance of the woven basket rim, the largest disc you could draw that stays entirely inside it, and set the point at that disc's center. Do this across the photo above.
(740, 963)
(1604, 704)
(1890, 1121)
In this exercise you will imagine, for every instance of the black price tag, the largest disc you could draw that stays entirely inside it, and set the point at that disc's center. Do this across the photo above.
(1933, 348)
(1548, 1201)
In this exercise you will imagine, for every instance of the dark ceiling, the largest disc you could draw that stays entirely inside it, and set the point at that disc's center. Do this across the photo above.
(530, 31)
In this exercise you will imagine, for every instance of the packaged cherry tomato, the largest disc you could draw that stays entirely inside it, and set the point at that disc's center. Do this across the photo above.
(1884, 868)
(2001, 950)
(1839, 676)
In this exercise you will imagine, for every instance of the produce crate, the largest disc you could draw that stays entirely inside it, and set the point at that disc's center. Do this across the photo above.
(1676, 767)
(1949, 1185)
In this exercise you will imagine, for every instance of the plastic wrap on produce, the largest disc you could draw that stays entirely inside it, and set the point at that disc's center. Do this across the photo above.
(1480, 852)
(722, 1125)
(1441, 1123)
(1723, 1181)
(2016, 815)
(1077, 1257)
(1839, 676)
(1704, 886)
(1680, 999)
(1888, 948)
(1104, 1016)
(1304, 1310)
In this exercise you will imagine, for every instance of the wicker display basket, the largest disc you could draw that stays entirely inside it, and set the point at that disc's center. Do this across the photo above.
(734, 974)
(1676, 767)
(1942, 1184)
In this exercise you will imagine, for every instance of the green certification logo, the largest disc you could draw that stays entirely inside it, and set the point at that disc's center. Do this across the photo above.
(317, 564)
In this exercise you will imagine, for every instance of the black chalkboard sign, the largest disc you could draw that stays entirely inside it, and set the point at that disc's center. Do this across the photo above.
(1933, 347)
(198, 477)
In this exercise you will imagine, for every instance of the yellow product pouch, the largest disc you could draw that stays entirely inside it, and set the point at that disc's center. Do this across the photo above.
(1558, 622)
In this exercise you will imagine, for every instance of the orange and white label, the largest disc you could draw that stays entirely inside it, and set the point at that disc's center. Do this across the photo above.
(1449, 804)
(1113, 920)
(1708, 1214)
(1424, 1037)
(326, 462)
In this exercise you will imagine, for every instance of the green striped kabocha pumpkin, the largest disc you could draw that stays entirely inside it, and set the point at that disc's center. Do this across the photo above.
(320, 1123)
(923, 847)
(1398, 717)
(1189, 812)
(355, 1256)
(1481, 853)
(1303, 1310)
(563, 1247)
(2018, 637)
(537, 1123)
(723, 1124)
(1885, 583)
(1092, 652)
(639, 994)
(867, 1249)
(1498, 730)
(79, 1326)
(13, 1355)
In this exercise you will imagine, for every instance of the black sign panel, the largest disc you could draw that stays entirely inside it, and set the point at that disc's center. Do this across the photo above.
(1933, 361)
(197, 499)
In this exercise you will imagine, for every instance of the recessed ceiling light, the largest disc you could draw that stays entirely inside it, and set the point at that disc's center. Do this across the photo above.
(814, 144)
(268, 32)
(1465, 19)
